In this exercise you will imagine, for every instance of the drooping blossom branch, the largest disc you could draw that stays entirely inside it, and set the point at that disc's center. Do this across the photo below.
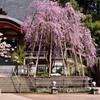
(45, 18)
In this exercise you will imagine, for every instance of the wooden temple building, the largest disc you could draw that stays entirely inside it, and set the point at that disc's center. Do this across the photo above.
(97, 68)
(11, 15)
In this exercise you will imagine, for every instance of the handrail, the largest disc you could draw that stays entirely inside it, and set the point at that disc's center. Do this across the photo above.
(32, 82)
(17, 78)
(19, 83)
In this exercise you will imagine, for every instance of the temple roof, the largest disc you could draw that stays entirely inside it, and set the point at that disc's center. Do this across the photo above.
(15, 8)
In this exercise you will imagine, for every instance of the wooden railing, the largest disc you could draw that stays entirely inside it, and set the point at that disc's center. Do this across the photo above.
(35, 53)
(42, 54)
(33, 83)
(19, 83)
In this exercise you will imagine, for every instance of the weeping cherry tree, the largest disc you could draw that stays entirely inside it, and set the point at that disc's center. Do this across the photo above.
(48, 24)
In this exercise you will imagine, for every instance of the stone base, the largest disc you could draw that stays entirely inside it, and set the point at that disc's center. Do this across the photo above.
(54, 90)
(94, 90)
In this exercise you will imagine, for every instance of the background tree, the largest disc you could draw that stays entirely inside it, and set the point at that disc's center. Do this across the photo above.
(92, 9)
(73, 3)
(94, 26)
(18, 57)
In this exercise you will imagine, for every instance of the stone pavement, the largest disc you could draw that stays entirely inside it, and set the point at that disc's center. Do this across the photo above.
(10, 96)
(62, 96)
(49, 97)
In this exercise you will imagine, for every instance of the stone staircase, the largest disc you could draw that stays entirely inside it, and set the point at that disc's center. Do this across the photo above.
(17, 84)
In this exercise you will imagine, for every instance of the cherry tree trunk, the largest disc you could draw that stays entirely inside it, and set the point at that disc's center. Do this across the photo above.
(76, 64)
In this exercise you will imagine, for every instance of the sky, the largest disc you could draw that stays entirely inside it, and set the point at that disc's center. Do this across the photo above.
(15, 8)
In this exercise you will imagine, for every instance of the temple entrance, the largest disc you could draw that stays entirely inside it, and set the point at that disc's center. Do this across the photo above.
(10, 38)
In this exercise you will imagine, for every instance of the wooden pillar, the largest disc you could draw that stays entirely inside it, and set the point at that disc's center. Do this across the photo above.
(50, 57)
(28, 69)
(76, 62)
(65, 73)
(66, 58)
(83, 73)
(38, 55)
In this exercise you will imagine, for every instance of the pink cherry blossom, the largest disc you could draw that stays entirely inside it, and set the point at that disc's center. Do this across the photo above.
(45, 18)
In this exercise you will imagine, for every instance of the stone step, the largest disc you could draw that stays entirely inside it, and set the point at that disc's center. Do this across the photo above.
(11, 84)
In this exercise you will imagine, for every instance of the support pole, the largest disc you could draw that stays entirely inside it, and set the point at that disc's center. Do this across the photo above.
(76, 63)
(38, 56)
(66, 58)
(83, 73)
(65, 73)
(50, 56)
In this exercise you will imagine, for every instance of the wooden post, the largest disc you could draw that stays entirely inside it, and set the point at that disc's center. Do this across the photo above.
(38, 55)
(50, 58)
(66, 58)
(83, 74)
(63, 58)
(50, 62)
(16, 68)
(33, 47)
(76, 65)
(28, 70)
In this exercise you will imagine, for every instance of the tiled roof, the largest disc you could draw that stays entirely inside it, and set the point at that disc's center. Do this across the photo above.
(15, 8)
(98, 52)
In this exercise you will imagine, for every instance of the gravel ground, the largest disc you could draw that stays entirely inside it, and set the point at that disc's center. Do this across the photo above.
(61, 96)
